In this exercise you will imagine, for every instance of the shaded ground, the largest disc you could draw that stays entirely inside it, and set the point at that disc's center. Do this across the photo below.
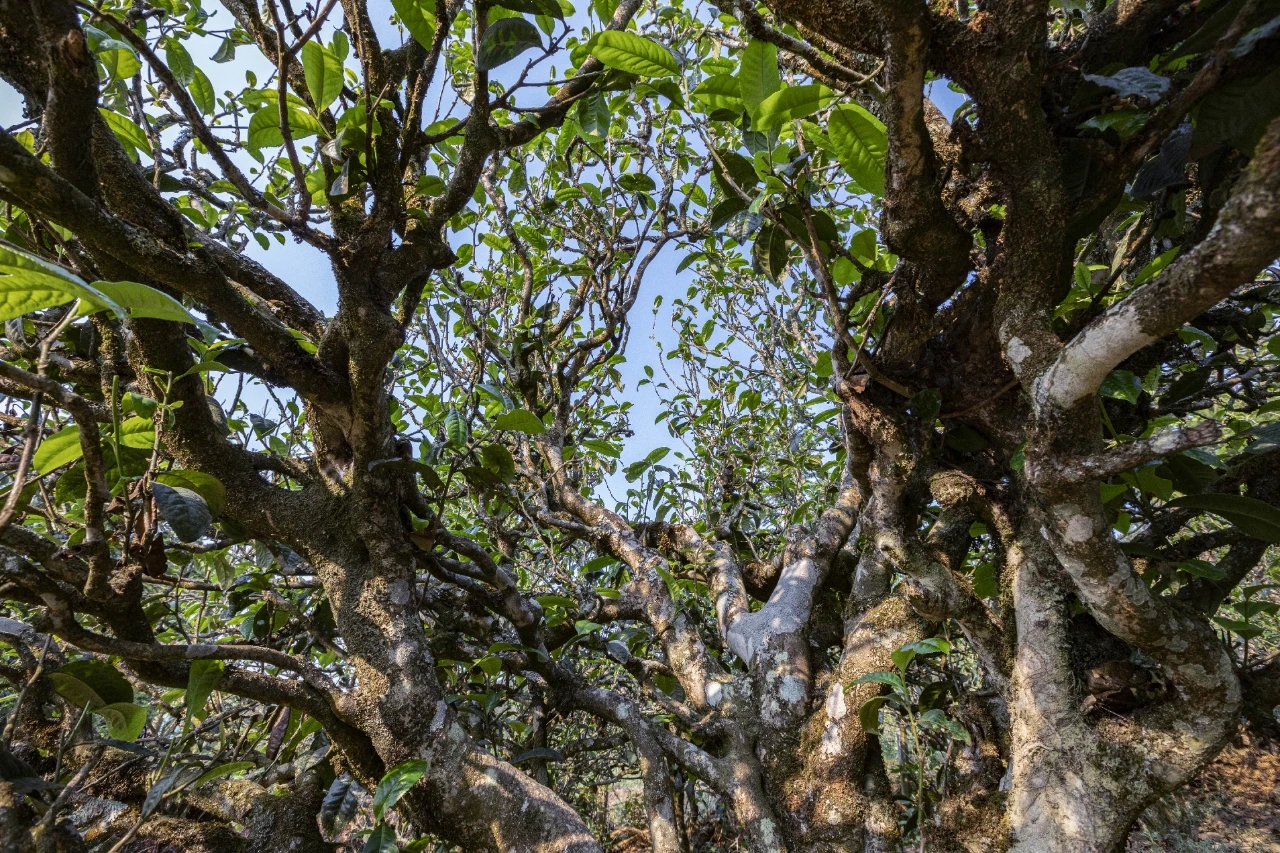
(1234, 807)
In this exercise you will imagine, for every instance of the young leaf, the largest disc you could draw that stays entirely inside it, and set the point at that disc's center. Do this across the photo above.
(139, 300)
(57, 450)
(397, 781)
(222, 770)
(504, 40)
(323, 73)
(634, 54)
(28, 284)
(792, 102)
(132, 137)
(264, 127)
(184, 509)
(861, 144)
(720, 92)
(869, 714)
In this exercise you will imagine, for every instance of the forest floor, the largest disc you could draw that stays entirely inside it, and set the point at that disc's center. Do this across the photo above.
(1234, 807)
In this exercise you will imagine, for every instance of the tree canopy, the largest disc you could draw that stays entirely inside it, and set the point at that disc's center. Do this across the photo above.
(961, 536)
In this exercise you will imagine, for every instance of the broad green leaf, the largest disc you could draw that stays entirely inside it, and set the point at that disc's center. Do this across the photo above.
(1259, 520)
(594, 115)
(791, 102)
(491, 664)
(1202, 569)
(720, 92)
(201, 682)
(184, 509)
(504, 40)
(861, 145)
(58, 449)
(1121, 385)
(520, 420)
(264, 127)
(133, 138)
(758, 75)
(208, 486)
(141, 301)
(103, 679)
(419, 18)
(124, 720)
(179, 61)
(28, 283)
(397, 781)
(1244, 629)
(1138, 81)
(634, 54)
(902, 658)
(323, 72)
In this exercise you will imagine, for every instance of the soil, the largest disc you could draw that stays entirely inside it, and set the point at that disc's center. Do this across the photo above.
(1233, 807)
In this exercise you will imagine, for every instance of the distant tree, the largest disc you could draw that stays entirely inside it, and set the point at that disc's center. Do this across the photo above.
(964, 541)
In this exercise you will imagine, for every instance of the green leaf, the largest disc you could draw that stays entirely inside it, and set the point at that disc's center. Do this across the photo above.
(132, 137)
(1202, 569)
(28, 283)
(869, 714)
(792, 102)
(504, 40)
(491, 664)
(207, 486)
(498, 459)
(419, 18)
(1236, 626)
(58, 449)
(1152, 269)
(323, 72)
(184, 509)
(141, 301)
(396, 783)
(139, 433)
(124, 720)
(594, 115)
(1121, 385)
(222, 770)
(179, 61)
(1257, 519)
(823, 367)
(119, 59)
(381, 840)
(902, 658)
(720, 92)
(546, 8)
(455, 428)
(201, 682)
(634, 54)
(985, 582)
(861, 144)
(102, 679)
(202, 93)
(264, 127)
(758, 76)
(892, 679)
(520, 420)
